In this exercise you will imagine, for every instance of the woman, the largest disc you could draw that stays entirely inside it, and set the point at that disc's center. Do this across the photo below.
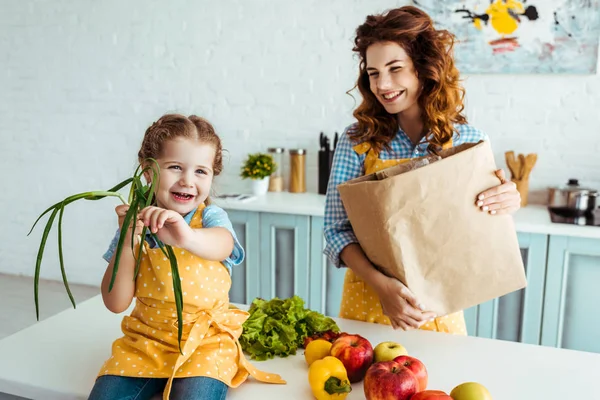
(412, 100)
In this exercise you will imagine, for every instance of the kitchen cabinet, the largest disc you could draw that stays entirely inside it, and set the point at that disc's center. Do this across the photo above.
(570, 318)
(284, 256)
(517, 316)
(326, 280)
(245, 279)
(277, 256)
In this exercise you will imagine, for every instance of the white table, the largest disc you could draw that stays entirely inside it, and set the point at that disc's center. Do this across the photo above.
(58, 359)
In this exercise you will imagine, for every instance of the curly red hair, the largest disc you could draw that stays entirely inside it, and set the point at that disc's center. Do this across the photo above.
(431, 52)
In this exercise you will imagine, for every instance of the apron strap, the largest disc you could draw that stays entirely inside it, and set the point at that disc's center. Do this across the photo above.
(197, 333)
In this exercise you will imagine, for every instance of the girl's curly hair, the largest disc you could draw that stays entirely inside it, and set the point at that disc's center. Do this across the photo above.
(431, 52)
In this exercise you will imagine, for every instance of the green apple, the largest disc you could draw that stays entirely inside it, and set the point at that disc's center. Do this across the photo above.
(387, 351)
(470, 391)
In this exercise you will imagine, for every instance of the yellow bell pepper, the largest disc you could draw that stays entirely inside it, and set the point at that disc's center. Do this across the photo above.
(328, 379)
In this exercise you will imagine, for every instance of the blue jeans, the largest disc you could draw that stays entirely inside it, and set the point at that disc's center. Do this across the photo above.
(111, 387)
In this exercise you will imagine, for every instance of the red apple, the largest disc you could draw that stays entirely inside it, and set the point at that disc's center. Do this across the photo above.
(431, 395)
(356, 353)
(389, 380)
(416, 367)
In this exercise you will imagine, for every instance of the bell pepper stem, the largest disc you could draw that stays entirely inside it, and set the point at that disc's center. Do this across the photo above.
(335, 385)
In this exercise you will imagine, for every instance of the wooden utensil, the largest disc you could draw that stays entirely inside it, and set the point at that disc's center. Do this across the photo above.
(530, 161)
(513, 164)
(520, 168)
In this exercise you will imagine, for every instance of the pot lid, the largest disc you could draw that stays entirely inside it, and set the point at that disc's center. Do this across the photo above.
(574, 187)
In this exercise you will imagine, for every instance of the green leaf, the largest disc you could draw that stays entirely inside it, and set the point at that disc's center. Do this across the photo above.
(138, 260)
(60, 255)
(279, 326)
(38, 263)
(73, 198)
(160, 244)
(112, 189)
(178, 292)
(258, 166)
(123, 233)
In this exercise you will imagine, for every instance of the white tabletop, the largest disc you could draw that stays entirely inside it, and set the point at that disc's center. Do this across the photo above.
(529, 219)
(59, 358)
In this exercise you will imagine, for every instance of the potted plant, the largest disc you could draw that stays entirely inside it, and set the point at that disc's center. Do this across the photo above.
(258, 168)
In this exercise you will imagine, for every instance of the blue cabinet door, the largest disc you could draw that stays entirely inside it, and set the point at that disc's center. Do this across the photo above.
(517, 316)
(570, 318)
(326, 280)
(245, 284)
(284, 256)
(471, 316)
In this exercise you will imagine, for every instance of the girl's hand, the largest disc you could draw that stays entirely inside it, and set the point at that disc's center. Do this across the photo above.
(401, 306)
(168, 225)
(121, 211)
(501, 199)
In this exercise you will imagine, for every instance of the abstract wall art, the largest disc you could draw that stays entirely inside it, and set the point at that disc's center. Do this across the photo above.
(529, 36)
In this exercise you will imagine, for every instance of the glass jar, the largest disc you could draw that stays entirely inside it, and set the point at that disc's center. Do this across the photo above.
(276, 179)
(297, 170)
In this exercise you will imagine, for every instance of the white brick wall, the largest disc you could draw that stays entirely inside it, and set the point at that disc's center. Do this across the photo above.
(81, 80)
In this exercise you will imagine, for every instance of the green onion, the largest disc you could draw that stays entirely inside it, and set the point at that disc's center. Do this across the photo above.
(140, 197)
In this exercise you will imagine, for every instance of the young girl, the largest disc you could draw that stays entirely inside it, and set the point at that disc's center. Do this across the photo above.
(412, 99)
(147, 359)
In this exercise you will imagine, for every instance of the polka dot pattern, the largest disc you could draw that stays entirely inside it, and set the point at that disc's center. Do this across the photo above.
(211, 328)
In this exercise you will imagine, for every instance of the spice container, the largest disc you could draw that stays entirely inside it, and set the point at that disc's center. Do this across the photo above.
(276, 180)
(297, 170)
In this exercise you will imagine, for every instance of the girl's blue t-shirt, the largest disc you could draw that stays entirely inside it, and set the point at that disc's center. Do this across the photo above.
(212, 216)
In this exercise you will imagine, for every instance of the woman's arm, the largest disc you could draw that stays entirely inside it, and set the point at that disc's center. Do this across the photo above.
(346, 165)
(398, 303)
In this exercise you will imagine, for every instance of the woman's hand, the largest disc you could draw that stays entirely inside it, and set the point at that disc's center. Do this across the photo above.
(401, 306)
(501, 199)
(168, 225)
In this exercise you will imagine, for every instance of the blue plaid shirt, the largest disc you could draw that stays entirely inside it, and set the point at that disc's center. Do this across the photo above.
(347, 165)
(212, 216)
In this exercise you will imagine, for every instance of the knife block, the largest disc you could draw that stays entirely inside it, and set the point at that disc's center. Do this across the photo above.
(325, 161)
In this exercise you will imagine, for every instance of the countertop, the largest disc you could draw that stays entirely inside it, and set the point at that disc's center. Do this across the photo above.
(529, 219)
(58, 358)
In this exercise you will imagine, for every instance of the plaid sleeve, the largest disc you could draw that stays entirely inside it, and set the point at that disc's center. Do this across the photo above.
(469, 134)
(338, 231)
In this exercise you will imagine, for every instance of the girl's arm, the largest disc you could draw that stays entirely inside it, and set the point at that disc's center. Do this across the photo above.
(123, 290)
(210, 243)
(214, 216)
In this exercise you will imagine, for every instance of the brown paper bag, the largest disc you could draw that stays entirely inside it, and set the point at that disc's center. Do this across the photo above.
(421, 226)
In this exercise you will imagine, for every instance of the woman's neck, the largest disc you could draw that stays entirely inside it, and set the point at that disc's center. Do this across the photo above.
(411, 123)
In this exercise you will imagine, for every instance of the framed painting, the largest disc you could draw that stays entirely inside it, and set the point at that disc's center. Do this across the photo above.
(510, 36)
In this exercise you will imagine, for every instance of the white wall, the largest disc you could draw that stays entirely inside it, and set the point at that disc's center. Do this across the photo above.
(81, 80)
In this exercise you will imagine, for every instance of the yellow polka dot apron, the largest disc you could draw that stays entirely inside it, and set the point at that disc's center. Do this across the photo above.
(359, 301)
(211, 329)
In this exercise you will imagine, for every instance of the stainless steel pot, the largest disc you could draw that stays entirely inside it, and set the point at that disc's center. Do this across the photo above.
(572, 199)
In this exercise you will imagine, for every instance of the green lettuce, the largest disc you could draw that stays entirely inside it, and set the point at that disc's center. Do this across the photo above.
(278, 327)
